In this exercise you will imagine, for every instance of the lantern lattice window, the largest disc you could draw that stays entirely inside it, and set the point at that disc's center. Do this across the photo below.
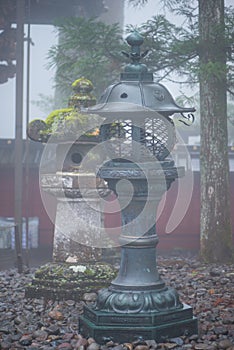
(152, 137)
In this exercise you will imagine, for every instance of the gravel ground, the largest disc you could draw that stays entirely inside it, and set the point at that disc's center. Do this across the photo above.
(37, 324)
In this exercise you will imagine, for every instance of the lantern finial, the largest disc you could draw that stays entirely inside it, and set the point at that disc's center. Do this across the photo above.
(136, 70)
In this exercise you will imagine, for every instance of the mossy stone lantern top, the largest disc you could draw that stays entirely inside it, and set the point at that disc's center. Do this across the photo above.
(82, 96)
(74, 132)
(68, 123)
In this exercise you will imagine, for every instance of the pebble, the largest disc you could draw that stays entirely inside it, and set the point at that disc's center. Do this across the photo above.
(53, 329)
(64, 346)
(201, 346)
(129, 346)
(151, 344)
(177, 340)
(215, 272)
(142, 347)
(170, 345)
(40, 335)
(36, 324)
(70, 302)
(56, 315)
(90, 297)
(220, 330)
(225, 344)
(25, 340)
(93, 346)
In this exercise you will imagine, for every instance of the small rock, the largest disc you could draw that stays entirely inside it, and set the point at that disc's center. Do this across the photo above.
(56, 315)
(220, 330)
(138, 342)
(40, 335)
(224, 280)
(19, 320)
(71, 259)
(26, 340)
(4, 330)
(118, 347)
(90, 297)
(142, 347)
(170, 345)
(16, 337)
(68, 336)
(151, 344)
(70, 302)
(201, 292)
(178, 341)
(66, 346)
(5, 345)
(53, 330)
(81, 347)
(53, 337)
(215, 272)
(225, 344)
(128, 346)
(93, 346)
(104, 347)
(80, 342)
(187, 346)
(201, 346)
(110, 344)
(228, 320)
(193, 337)
(90, 341)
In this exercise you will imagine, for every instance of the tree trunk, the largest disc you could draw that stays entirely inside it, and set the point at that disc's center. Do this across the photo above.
(216, 233)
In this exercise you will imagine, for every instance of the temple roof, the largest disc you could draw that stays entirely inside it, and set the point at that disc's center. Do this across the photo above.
(47, 11)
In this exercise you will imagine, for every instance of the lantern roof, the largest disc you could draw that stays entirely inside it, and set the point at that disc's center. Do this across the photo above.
(136, 90)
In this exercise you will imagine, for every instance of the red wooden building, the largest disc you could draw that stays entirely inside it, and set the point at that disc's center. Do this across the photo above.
(181, 235)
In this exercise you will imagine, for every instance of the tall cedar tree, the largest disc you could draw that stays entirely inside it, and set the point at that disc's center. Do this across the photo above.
(216, 233)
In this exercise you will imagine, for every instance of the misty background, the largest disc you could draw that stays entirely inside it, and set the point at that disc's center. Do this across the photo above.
(41, 78)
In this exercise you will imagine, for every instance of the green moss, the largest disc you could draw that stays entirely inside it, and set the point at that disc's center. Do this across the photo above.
(82, 84)
(68, 122)
(57, 113)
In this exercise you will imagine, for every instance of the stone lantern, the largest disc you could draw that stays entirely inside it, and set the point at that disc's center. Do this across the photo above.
(69, 137)
(138, 135)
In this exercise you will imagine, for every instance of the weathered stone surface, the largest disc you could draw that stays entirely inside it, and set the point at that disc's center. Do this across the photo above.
(70, 282)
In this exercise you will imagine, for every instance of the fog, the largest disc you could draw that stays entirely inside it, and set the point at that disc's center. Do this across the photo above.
(41, 78)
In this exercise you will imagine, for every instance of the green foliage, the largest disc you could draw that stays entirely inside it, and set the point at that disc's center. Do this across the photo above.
(87, 48)
(215, 70)
(173, 49)
(137, 2)
(93, 49)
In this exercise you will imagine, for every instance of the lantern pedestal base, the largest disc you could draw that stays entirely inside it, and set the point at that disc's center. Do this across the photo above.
(160, 326)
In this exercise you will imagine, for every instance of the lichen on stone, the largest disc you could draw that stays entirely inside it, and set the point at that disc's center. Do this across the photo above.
(68, 123)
